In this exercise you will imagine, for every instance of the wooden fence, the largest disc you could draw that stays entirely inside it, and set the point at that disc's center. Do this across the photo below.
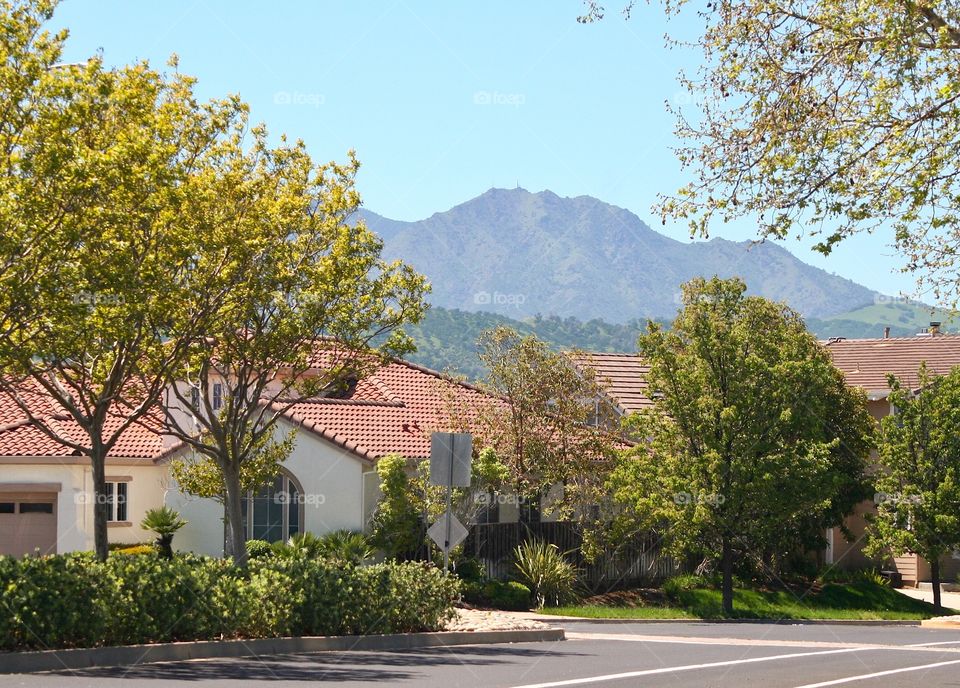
(632, 563)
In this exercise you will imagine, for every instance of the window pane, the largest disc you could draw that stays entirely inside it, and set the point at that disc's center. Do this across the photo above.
(268, 513)
(6, 507)
(33, 508)
(293, 509)
(121, 500)
(111, 511)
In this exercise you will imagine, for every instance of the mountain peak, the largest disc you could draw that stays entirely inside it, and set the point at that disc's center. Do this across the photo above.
(521, 253)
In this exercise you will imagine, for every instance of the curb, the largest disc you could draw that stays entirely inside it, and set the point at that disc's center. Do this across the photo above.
(951, 623)
(775, 622)
(133, 655)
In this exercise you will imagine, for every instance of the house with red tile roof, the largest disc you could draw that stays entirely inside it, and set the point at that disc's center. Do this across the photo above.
(865, 364)
(328, 482)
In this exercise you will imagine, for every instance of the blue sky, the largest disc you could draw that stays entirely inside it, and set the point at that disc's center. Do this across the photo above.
(443, 100)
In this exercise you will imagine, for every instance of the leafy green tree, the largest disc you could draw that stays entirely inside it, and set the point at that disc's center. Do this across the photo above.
(307, 295)
(827, 118)
(96, 251)
(395, 526)
(918, 486)
(755, 444)
(542, 420)
(409, 500)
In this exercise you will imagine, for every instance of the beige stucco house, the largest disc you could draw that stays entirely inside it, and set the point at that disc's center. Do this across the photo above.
(328, 483)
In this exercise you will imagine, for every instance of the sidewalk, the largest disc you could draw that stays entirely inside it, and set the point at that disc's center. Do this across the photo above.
(948, 599)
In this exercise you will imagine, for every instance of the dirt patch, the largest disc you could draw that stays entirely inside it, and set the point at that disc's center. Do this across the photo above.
(637, 597)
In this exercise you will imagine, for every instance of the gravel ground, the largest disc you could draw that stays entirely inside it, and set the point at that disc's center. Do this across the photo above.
(483, 620)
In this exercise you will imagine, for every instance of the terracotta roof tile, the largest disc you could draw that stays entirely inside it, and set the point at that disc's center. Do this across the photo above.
(623, 377)
(20, 437)
(867, 362)
(394, 409)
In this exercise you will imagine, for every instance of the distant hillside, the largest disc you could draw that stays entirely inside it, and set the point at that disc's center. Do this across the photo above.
(446, 339)
(518, 253)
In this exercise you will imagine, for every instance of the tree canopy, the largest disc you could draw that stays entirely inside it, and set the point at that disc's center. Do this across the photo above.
(754, 446)
(918, 484)
(827, 118)
(96, 254)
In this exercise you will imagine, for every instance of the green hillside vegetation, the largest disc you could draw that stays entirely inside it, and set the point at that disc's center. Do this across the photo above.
(900, 314)
(446, 339)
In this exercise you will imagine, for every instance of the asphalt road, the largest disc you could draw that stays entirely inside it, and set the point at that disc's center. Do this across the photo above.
(688, 654)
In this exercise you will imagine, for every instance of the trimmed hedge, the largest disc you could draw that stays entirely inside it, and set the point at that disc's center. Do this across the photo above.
(75, 601)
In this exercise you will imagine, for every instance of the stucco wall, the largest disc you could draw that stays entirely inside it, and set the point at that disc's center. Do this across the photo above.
(333, 494)
(75, 500)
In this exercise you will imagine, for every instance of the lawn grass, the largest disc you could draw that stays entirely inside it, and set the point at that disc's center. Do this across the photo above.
(863, 600)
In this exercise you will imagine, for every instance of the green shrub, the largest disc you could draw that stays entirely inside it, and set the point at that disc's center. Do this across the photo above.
(259, 549)
(542, 568)
(470, 570)
(672, 587)
(511, 595)
(75, 601)
(871, 576)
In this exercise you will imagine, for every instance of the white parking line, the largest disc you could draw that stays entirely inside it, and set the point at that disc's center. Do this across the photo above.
(942, 642)
(864, 677)
(686, 667)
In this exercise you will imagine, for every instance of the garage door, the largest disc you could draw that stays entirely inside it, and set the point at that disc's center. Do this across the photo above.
(28, 522)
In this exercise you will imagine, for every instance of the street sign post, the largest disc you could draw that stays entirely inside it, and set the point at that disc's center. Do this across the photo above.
(449, 467)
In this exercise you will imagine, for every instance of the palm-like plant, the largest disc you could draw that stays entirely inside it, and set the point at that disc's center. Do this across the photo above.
(347, 546)
(542, 567)
(164, 522)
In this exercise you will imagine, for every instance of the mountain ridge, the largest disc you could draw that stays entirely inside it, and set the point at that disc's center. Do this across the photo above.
(520, 254)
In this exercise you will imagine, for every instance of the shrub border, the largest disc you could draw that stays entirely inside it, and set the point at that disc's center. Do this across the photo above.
(134, 655)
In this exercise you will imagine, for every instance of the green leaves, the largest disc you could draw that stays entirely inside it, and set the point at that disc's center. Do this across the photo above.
(918, 493)
(828, 119)
(754, 439)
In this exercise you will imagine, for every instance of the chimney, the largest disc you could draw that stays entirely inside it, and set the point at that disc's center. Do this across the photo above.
(886, 332)
(934, 327)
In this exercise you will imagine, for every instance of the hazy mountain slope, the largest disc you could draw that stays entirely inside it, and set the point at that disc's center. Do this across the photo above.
(519, 253)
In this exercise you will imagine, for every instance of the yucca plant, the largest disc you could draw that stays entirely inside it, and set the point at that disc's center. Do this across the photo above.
(164, 522)
(542, 567)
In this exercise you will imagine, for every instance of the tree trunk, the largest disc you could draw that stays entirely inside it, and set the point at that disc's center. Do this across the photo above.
(101, 508)
(726, 564)
(935, 582)
(233, 514)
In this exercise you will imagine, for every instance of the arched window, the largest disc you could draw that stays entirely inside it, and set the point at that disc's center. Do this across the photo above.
(277, 510)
